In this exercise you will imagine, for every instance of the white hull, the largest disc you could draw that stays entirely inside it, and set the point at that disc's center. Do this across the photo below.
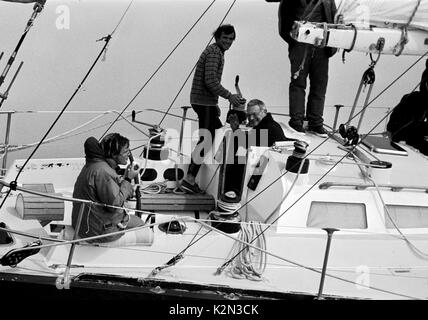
(372, 262)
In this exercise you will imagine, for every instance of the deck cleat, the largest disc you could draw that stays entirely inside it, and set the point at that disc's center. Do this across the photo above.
(173, 227)
(15, 256)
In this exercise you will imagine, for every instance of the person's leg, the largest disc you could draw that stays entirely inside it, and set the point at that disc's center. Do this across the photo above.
(297, 86)
(194, 166)
(318, 75)
(134, 222)
(234, 168)
(208, 120)
(143, 236)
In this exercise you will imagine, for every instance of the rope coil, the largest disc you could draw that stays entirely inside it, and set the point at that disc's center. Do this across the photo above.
(250, 263)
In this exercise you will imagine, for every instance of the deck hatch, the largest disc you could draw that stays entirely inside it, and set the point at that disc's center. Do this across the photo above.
(406, 216)
(337, 215)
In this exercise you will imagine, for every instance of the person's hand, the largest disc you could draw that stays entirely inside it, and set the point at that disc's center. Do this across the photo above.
(131, 171)
(236, 99)
(234, 121)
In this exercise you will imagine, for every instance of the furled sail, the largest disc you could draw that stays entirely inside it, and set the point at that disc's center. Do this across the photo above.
(384, 13)
(388, 26)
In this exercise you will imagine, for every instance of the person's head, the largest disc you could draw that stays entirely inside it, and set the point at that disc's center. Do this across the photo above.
(239, 113)
(224, 36)
(424, 80)
(116, 147)
(256, 111)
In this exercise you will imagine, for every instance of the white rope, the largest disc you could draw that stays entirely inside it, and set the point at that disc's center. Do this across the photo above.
(250, 263)
(154, 188)
(409, 243)
(298, 264)
(221, 233)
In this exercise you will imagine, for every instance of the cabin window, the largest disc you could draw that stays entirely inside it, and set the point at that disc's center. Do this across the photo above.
(406, 216)
(149, 174)
(169, 174)
(337, 215)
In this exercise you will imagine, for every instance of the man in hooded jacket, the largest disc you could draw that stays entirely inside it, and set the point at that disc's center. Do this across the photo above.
(99, 183)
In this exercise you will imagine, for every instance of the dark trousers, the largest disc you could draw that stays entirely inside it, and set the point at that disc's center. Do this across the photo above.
(208, 119)
(316, 67)
(234, 170)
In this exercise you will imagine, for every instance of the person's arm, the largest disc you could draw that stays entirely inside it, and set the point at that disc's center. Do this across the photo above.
(276, 134)
(286, 12)
(212, 64)
(112, 192)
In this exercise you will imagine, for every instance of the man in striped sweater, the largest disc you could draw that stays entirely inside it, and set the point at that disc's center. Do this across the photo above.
(206, 89)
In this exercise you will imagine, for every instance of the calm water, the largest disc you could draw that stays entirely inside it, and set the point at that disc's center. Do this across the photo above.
(62, 45)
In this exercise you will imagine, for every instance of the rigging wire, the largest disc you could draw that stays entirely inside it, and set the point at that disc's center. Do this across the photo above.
(322, 143)
(339, 161)
(142, 249)
(58, 137)
(307, 191)
(191, 71)
(399, 47)
(210, 228)
(36, 11)
(121, 19)
(356, 115)
(178, 256)
(323, 176)
(424, 255)
(107, 40)
(300, 265)
(62, 242)
(316, 183)
(159, 67)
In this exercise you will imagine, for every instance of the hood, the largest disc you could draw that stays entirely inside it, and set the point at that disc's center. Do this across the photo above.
(424, 80)
(93, 149)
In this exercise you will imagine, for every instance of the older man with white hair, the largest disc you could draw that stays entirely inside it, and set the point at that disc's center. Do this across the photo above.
(265, 128)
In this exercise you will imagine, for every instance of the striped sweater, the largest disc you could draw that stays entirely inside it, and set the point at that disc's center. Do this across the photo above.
(206, 86)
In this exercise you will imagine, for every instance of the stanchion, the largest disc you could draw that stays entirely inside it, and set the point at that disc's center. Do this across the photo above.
(324, 267)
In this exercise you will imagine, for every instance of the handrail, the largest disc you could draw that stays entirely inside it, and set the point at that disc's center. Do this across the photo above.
(6, 147)
(363, 186)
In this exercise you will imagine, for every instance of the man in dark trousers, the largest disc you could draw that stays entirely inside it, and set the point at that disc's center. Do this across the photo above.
(204, 95)
(409, 119)
(307, 60)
